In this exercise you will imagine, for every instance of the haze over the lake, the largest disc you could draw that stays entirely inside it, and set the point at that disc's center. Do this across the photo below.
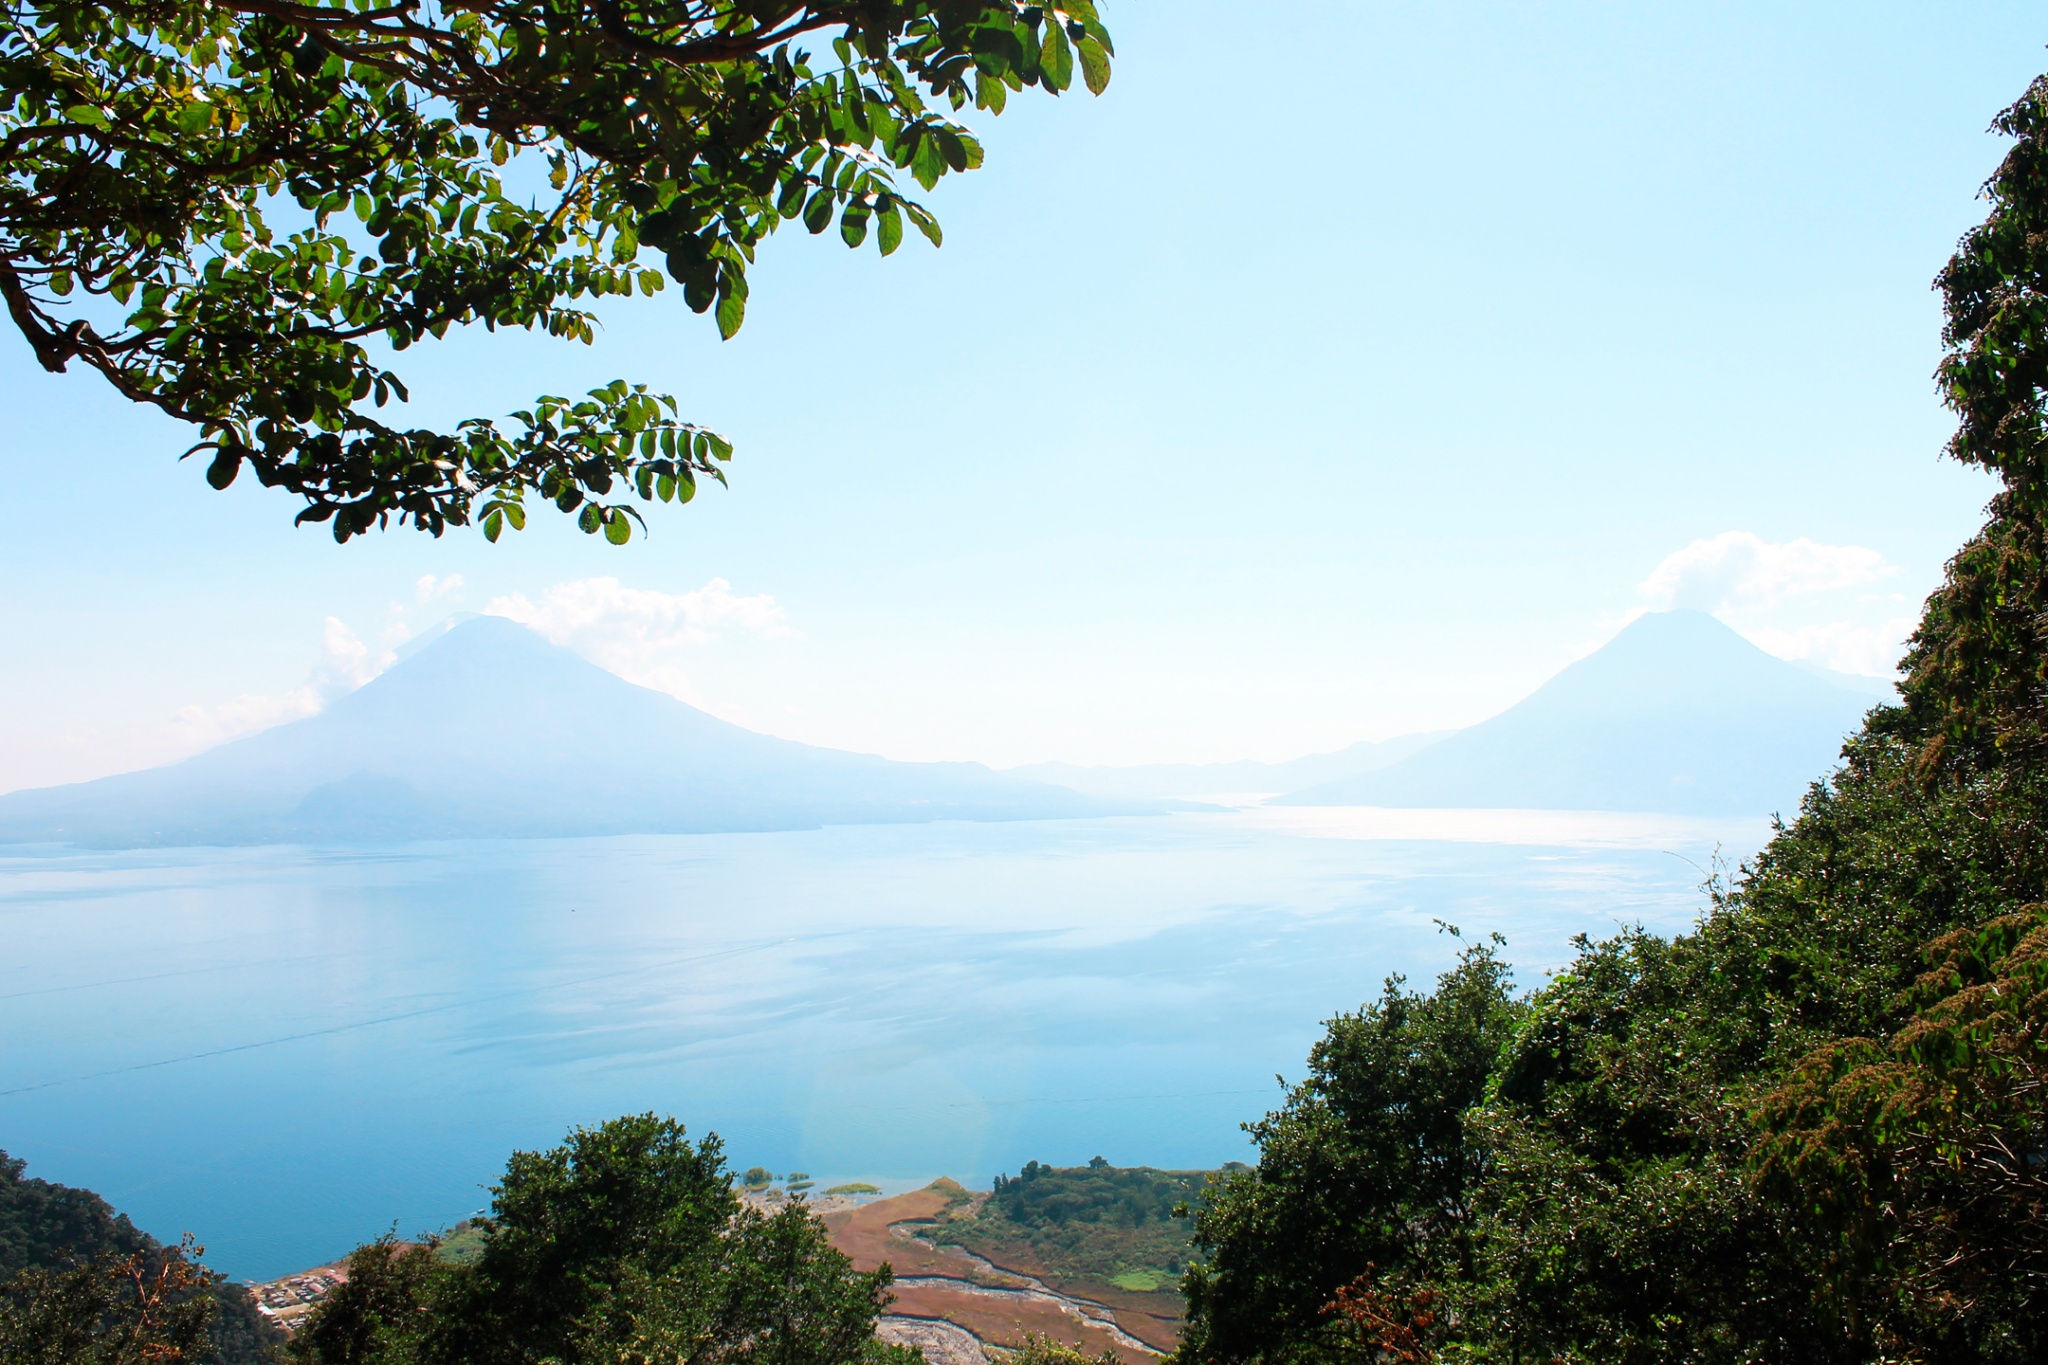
(1354, 399)
(322, 1042)
(1365, 484)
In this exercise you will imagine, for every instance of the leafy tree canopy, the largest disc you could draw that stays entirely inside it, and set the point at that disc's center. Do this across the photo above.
(141, 1309)
(1814, 1129)
(79, 1281)
(1366, 1169)
(625, 1243)
(1096, 1193)
(1039, 1349)
(1087, 1229)
(222, 205)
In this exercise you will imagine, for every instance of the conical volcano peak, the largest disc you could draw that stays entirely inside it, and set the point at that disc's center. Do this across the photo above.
(489, 730)
(1678, 712)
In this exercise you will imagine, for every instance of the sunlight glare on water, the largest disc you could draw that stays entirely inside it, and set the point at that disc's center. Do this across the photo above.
(287, 1051)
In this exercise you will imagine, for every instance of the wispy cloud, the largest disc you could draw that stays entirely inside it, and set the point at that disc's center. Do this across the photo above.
(641, 633)
(430, 588)
(1873, 650)
(345, 664)
(1798, 599)
(1738, 571)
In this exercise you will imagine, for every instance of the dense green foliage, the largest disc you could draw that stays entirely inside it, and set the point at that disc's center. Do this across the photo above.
(625, 1244)
(1128, 1196)
(76, 1280)
(218, 204)
(1815, 1129)
(1367, 1167)
(1043, 1350)
(140, 1309)
(43, 1224)
(1083, 1227)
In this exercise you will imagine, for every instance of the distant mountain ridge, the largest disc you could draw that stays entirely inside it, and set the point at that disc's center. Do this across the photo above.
(1193, 781)
(488, 731)
(491, 732)
(1677, 714)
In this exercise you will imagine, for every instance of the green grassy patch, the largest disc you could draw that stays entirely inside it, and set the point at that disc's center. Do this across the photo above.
(463, 1244)
(1097, 1225)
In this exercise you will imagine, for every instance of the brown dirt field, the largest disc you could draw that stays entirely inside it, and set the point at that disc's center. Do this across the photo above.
(867, 1235)
(1152, 1318)
(863, 1234)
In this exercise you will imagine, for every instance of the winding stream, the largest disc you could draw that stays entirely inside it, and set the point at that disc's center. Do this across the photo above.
(1025, 1288)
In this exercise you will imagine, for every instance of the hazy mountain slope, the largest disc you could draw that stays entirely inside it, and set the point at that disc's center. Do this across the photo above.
(490, 731)
(1158, 781)
(1677, 713)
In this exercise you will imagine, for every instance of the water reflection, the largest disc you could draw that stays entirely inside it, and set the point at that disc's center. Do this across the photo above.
(289, 1050)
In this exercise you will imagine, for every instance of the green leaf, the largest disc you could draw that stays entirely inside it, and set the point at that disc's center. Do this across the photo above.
(494, 524)
(818, 213)
(904, 149)
(990, 93)
(618, 527)
(853, 224)
(792, 201)
(889, 228)
(925, 223)
(226, 464)
(88, 115)
(930, 162)
(732, 311)
(1056, 59)
(1094, 66)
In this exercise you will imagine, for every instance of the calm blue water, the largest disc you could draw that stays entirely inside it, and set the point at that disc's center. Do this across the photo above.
(287, 1051)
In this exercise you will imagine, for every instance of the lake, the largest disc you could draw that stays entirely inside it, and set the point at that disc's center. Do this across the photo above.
(287, 1051)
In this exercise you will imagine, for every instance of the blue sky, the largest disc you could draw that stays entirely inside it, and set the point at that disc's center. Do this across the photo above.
(1327, 379)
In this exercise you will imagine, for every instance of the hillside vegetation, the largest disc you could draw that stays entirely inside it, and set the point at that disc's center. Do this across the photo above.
(1813, 1130)
(626, 1243)
(1084, 1227)
(67, 1259)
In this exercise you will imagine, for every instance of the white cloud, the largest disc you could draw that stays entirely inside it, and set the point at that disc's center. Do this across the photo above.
(201, 727)
(637, 633)
(1798, 599)
(1872, 650)
(346, 663)
(429, 587)
(1737, 570)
